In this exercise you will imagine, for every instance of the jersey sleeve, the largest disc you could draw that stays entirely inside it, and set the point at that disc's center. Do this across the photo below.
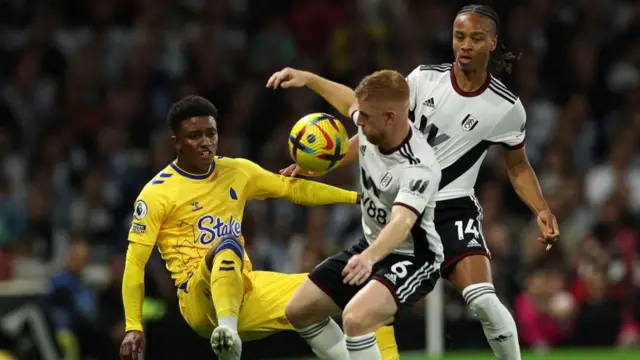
(263, 184)
(354, 116)
(413, 79)
(418, 185)
(149, 212)
(510, 130)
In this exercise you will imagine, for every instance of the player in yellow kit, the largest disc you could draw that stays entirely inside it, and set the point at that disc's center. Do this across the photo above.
(192, 210)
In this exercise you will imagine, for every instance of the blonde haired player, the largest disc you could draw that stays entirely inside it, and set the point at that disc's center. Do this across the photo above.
(398, 260)
(192, 210)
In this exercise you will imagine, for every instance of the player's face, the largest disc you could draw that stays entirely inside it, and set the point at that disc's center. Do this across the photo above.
(473, 41)
(374, 119)
(197, 141)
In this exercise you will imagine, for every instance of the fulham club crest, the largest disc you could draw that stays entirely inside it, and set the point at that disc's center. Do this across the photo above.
(469, 123)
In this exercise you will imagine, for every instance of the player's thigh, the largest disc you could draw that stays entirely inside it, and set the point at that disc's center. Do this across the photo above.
(195, 301)
(472, 269)
(408, 278)
(460, 228)
(262, 310)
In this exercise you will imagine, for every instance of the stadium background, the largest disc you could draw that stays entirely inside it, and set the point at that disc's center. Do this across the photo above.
(85, 86)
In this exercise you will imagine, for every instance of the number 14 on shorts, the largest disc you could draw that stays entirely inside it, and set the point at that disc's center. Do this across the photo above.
(470, 228)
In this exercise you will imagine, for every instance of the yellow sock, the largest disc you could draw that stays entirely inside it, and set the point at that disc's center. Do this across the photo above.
(227, 288)
(387, 343)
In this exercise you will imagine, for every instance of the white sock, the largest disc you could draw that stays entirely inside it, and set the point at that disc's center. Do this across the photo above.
(326, 340)
(363, 347)
(497, 322)
(229, 321)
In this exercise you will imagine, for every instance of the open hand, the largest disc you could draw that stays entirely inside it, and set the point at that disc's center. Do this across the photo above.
(295, 169)
(288, 77)
(358, 270)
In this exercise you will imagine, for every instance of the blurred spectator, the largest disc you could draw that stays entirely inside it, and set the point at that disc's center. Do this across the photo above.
(598, 311)
(619, 178)
(74, 308)
(544, 309)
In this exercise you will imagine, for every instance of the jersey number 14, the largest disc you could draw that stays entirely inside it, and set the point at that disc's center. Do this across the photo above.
(471, 228)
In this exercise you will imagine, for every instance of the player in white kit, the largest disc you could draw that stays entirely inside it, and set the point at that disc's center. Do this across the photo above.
(398, 261)
(462, 110)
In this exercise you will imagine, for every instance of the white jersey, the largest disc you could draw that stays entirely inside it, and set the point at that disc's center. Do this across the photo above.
(407, 176)
(460, 126)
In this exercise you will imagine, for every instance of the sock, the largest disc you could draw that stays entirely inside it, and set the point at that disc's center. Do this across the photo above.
(227, 288)
(363, 347)
(497, 322)
(228, 321)
(326, 339)
(387, 343)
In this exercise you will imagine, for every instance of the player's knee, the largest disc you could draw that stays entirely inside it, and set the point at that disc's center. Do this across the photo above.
(298, 315)
(355, 323)
(229, 250)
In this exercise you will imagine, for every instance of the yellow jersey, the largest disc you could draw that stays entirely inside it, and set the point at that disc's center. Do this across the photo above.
(186, 214)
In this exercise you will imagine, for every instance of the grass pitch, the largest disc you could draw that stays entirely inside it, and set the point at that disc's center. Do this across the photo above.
(582, 354)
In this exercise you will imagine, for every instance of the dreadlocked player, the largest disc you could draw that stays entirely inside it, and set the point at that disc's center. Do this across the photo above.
(462, 110)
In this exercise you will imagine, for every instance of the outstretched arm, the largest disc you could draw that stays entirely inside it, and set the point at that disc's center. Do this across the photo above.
(265, 184)
(341, 97)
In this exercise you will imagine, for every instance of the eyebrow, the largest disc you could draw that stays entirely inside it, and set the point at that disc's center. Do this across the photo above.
(474, 32)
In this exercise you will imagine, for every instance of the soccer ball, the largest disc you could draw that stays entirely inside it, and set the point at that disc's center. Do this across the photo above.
(318, 142)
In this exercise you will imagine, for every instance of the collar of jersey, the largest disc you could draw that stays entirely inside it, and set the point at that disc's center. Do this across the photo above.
(194, 176)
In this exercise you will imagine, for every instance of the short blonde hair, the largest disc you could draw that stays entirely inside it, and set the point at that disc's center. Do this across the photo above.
(384, 85)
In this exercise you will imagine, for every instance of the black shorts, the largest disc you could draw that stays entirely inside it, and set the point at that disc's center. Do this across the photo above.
(458, 224)
(408, 278)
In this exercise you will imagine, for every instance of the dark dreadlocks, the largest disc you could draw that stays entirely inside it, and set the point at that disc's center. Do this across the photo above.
(501, 59)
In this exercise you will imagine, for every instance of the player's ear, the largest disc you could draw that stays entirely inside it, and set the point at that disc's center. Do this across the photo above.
(494, 42)
(388, 117)
(174, 141)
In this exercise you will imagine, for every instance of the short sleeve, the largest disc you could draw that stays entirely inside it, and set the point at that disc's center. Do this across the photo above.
(418, 185)
(413, 80)
(510, 130)
(354, 116)
(149, 212)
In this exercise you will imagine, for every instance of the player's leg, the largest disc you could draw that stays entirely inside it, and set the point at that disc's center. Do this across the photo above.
(225, 260)
(320, 296)
(195, 303)
(370, 309)
(467, 267)
(309, 311)
(263, 310)
(387, 343)
(400, 282)
(472, 277)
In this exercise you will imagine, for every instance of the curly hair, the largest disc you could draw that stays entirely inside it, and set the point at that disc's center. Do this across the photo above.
(187, 108)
